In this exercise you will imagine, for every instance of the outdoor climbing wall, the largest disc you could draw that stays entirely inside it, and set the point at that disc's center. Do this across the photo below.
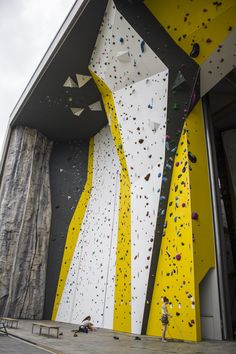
(89, 286)
(207, 27)
(183, 93)
(141, 124)
(25, 210)
(68, 173)
(184, 258)
(73, 231)
(149, 86)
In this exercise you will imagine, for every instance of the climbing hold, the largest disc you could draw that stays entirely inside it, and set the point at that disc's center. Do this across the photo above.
(77, 111)
(147, 177)
(176, 106)
(82, 79)
(70, 83)
(183, 205)
(178, 257)
(151, 105)
(179, 81)
(115, 337)
(123, 56)
(121, 40)
(142, 45)
(194, 215)
(177, 164)
(192, 157)
(195, 50)
(96, 106)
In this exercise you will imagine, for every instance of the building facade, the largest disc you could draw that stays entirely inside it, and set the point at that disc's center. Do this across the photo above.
(118, 175)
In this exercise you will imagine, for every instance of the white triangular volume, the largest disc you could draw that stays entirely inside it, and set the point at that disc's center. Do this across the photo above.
(123, 56)
(77, 111)
(153, 125)
(96, 106)
(82, 79)
(70, 83)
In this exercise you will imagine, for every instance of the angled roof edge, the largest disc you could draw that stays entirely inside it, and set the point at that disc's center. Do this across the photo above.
(68, 24)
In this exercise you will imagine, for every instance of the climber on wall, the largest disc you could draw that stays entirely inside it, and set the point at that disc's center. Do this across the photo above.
(164, 318)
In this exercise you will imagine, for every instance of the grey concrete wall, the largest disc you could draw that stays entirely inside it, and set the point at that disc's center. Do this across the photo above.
(210, 307)
(68, 174)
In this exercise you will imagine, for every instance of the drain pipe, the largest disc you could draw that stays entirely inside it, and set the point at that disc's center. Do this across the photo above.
(221, 266)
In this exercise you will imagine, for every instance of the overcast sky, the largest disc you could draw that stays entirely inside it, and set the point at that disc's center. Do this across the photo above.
(27, 27)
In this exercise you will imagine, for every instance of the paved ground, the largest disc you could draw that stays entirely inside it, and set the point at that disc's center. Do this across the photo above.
(14, 346)
(102, 342)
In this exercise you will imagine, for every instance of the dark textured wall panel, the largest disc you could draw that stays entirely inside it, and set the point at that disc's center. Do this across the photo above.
(68, 173)
(25, 214)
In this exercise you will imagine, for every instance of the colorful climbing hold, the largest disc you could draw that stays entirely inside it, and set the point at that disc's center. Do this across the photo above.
(194, 215)
(142, 45)
(178, 257)
(192, 157)
(195, 50)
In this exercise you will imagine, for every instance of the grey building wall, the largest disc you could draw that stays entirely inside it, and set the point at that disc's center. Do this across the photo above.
(68, 174)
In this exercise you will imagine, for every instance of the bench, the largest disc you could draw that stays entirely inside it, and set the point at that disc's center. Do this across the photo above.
(45, 325)
(9, 322)
(3, 328)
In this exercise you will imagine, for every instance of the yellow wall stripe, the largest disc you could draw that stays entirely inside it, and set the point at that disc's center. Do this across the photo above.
(122, 306)
(203, 230)
(74, 230)
(174, 276)
(200, 21)
(184, 258)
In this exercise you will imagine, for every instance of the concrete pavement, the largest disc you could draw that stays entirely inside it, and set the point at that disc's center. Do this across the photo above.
(102, 342)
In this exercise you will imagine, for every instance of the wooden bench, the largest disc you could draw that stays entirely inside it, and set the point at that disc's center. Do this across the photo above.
(9, 322)
(3, 328)
(45, 325)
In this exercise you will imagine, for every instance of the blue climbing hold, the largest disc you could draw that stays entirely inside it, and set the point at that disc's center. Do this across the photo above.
(142, 45)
